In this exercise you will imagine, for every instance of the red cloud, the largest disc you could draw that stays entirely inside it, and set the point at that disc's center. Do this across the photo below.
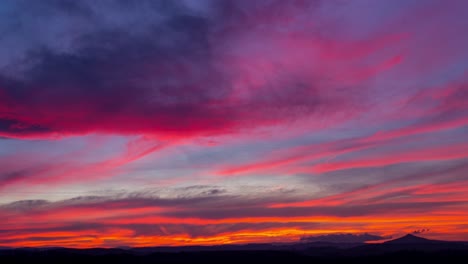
(201, 86)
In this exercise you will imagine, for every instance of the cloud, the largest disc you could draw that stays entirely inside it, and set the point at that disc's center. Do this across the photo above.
(209, 205)
(338, 116)
(420, 231)
(203, 218)
(40, 168)
(174, 75)
(343, 238)
(447, 152)
(25, 205)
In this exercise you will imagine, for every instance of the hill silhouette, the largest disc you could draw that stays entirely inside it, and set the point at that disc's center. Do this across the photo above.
(412, 239)
(406, 249)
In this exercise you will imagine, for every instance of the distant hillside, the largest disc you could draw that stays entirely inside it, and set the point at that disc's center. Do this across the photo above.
(412, 239)
(407, 249)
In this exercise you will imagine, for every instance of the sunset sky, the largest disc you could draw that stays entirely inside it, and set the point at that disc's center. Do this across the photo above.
(187, 122)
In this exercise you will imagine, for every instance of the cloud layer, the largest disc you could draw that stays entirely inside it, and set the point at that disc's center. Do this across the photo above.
(344, 238)
(181, 72)
(206, 122)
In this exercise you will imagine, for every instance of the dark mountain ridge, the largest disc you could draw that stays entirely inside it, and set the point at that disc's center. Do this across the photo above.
(412, 239)
(402, 250)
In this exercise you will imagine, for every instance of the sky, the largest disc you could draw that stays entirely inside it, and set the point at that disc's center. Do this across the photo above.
(200, 122)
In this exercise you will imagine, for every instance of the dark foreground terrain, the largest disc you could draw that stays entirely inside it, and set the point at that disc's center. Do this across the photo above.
(408, 249)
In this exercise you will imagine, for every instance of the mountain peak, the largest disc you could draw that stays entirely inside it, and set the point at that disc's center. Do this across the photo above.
(411, 236)
(410, 239)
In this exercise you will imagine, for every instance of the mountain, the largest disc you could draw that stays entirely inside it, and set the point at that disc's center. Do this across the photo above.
(409, 243)
(412, 239)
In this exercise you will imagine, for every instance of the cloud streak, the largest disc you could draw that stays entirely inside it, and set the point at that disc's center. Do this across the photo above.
(191, 81)
(136, 217)
(344, 238)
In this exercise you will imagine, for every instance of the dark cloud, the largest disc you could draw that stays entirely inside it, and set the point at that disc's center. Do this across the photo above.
(126, 201)
(25, 205)
(11, 176)
(340, 211)
(72, 227)
(343, 238)
(220, 206)
(21, 128)
(201, 190)
(164, 75)
(420, 231)
(134, 202)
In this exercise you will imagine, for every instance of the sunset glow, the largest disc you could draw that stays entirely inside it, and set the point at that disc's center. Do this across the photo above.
(200, 122)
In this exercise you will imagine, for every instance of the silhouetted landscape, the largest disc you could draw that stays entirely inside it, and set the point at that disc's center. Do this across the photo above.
(407, 249)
